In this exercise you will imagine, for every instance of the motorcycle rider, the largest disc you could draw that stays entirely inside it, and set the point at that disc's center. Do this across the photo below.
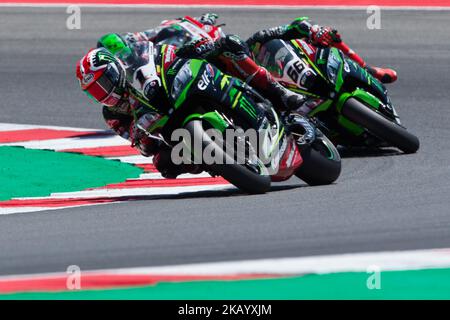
(127, 84)
(236, 57)
(124, 79)
(303, 28)
(233, 56)
(180, 30)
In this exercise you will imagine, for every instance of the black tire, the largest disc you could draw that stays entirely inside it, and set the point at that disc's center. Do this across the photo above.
(321, 163)
(380, 126)
(242, 177)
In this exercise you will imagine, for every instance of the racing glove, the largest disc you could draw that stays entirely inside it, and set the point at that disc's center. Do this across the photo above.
(118, 122)
(324, 36)
(206, 48)
(266, 35)
(169, 170)
(197, 49)
(139, 139)
(209, 18)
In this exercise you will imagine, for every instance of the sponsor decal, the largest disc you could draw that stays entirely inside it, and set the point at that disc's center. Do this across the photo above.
(169, 54)
(307, 79)
(103, 58)
(306, 47)
(204, 82)
(210, 70)
(346, 67)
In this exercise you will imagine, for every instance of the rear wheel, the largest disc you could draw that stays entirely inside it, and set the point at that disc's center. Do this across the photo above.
(321, 163)
(245, 177)
(380, 126)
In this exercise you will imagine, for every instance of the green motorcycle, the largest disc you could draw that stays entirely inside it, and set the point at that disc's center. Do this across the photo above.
(348, 104)
(204, 103)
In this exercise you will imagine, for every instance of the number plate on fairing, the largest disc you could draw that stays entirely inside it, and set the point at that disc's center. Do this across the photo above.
(297, 71)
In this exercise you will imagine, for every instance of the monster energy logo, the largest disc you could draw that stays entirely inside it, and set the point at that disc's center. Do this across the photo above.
(105, 57)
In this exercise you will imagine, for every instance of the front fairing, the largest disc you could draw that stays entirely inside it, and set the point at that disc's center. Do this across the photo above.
(180, 79)
(196, 83)
(281, 61)
(197, 89)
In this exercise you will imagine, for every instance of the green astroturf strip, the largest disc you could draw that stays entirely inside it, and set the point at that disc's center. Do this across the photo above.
(419, 284)
(37, 173)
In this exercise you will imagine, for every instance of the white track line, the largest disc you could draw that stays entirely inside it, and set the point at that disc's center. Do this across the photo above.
(98, 141)
(137, 159)
(158, 176)
(208, 6)
(14, 210)
(352, 262)
(144, 191)
(16, 126)
(112, 193)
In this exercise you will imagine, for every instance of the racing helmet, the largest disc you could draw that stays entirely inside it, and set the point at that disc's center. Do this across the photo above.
(102, 77)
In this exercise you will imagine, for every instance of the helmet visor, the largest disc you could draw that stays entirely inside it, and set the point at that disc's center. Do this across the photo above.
(103, 89)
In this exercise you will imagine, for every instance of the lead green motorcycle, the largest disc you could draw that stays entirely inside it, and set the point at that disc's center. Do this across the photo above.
(350, 106)
(201, 98)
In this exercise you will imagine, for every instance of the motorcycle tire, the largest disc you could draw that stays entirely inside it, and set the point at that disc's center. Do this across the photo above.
(237, 174)
(321, 163)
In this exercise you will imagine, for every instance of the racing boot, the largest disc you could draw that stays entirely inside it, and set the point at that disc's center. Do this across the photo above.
(291, 100)
(385, 75)
(281, 97)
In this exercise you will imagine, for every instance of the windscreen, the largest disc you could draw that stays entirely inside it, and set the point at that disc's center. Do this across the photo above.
(274, 56)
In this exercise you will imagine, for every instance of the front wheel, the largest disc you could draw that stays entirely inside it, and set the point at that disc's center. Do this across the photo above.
(321, 162)
(380, 126)
(242, 176)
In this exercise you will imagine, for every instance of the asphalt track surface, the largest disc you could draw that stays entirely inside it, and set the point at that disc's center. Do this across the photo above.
(381, 201)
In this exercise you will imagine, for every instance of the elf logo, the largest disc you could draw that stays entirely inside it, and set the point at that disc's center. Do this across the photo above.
(204, 82)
